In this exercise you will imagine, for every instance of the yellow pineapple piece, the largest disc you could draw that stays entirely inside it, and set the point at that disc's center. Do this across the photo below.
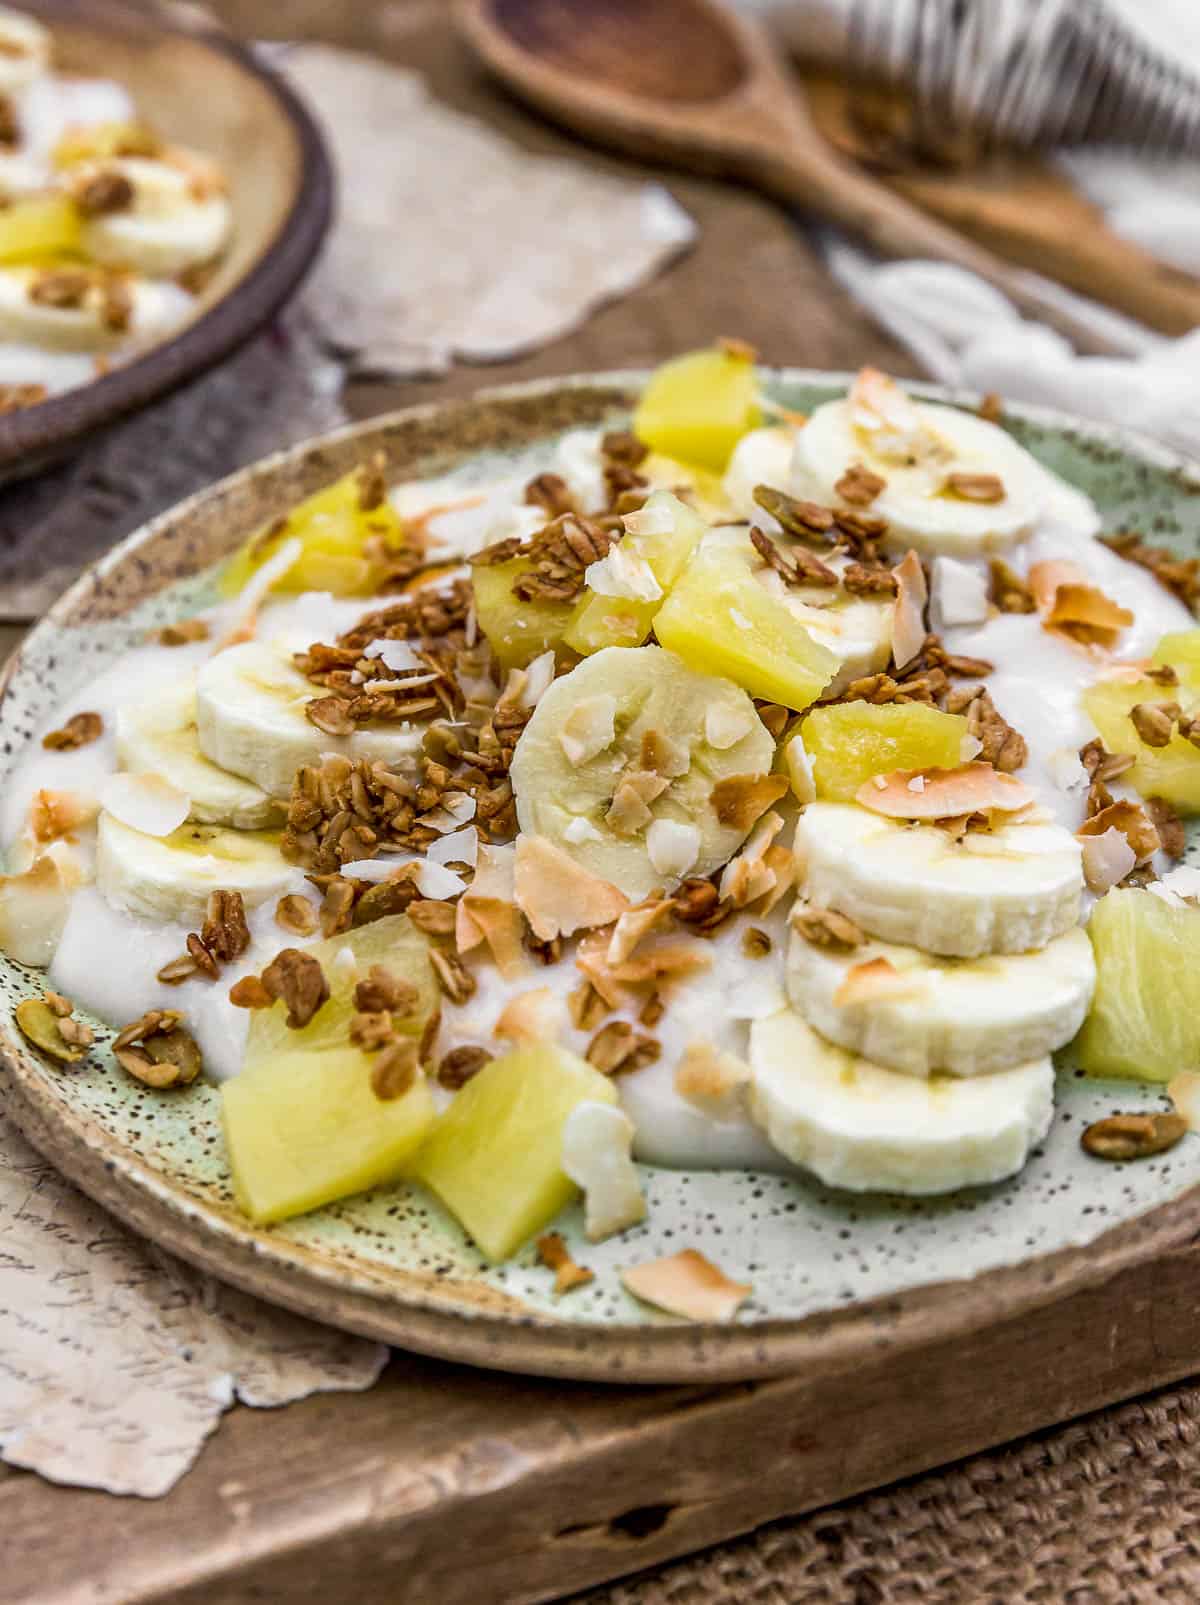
(302, 1129)
(393, 942)
(851, 741)
(517, 631)
(698, 487)
(494, 1156)
(1171, 772)
(334, 530)
(720, 620)
(1140, 1025)
(1181, 649)
(101, 141)
(697, 407)
(40, 228)
(600, 621)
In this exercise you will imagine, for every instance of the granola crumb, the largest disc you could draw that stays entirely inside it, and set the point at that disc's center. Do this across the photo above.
(825, 927)
(553, 1254)
(183, 632)
(296, 914)
(80, 730)
(756, 943)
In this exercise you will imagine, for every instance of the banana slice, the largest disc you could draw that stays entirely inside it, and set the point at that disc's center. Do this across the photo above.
(77, 317)
(170, 877)
(1001, 891)
(922, 1015)
(158, 736)
(173, 223)
(618, 764)
(920, 450)
(763, 457)
(250, 720)
(857, 1126)
(25, 50)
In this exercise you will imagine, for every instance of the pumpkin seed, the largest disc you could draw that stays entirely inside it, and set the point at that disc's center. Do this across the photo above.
(39, 1024)
(1122, 1137)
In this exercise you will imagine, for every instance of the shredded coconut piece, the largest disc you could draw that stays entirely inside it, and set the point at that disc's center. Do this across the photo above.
(458, 847)
(724, 726)
(688, 1285)
(589, 728)
(539, 676)
(145, 802)
(740, 619)
(622, 573)
(397, 656)
(958, 594)
(582, 830)
(597, 1145)
(672, 847)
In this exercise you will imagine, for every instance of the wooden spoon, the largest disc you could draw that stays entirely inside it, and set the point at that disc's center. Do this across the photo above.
(694, 84)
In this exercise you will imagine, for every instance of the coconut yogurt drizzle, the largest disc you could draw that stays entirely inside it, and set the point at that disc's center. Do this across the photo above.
(107, 959)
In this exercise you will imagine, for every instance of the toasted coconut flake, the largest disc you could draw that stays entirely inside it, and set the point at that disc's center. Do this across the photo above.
(538, 1015)
(875, 980)
(454, 810)
(553, 1253)
(1133, 822)
(558, 896)
(724, 726)
(432, 879)
(398, 657)
(664, 961)
(1045, 578)
(688, 1285)
(672, 846)
(947, 794)
(785, 871)
(497, 922)
(145, 802)
(908, 610)
(633, 926)
(54, 815)
(663, 756)
(739, 800)
(591, 959)
(711, 1079)
(1184, 1092)
(1107, 859)
(458, 847)
(597, 1155)
(588, 728)
(629, 812)
(746, 876)
(33, 911)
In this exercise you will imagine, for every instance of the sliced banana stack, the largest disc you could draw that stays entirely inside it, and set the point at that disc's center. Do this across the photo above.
(159, 736)
(763, 457)
(952, 482)
(1007, 890)
(618, 764)
(923, 1015)
(64, 309)
(174, 219)
(170, 877)
(250, 720)
(25, 50)
(866, 1129)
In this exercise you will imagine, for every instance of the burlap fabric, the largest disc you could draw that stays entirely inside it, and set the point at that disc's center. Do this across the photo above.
(1106, 1509)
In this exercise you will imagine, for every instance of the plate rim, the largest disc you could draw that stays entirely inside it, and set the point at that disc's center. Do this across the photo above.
(33, 436)
(491, 1336)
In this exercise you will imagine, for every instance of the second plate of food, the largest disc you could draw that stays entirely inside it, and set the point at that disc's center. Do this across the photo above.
(622, 879)
(163, 193)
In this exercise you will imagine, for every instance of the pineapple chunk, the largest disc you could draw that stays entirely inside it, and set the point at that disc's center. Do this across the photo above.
(1171, 772)
(40, 228)
(302, 1129)
(697, 407)
(517, 631)
(494, 1157)
(720, 620)
(393, 942)
(1181, 649)
(333, 530)
(851, 741)
(600, 621)
(98, 141)
(702, 490)
(1139, 1025)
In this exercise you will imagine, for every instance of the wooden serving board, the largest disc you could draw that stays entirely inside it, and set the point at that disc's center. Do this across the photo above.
(446, 1486)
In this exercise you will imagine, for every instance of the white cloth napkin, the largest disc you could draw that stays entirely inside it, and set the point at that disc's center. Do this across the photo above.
(966, 333)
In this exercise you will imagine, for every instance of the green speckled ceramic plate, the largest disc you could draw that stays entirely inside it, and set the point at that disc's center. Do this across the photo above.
(833, 1275)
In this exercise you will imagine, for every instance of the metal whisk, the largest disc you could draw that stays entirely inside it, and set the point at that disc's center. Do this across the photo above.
(1023, 72)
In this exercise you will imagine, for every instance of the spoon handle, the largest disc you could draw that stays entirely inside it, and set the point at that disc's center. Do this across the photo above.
(813, 177)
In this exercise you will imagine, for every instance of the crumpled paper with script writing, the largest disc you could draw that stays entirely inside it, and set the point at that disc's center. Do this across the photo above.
(116, 1360)
(452, 241)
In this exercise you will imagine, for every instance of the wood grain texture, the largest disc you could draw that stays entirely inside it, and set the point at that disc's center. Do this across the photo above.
(452, 1486)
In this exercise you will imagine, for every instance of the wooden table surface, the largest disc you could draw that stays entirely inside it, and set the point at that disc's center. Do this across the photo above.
(262, 1477)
